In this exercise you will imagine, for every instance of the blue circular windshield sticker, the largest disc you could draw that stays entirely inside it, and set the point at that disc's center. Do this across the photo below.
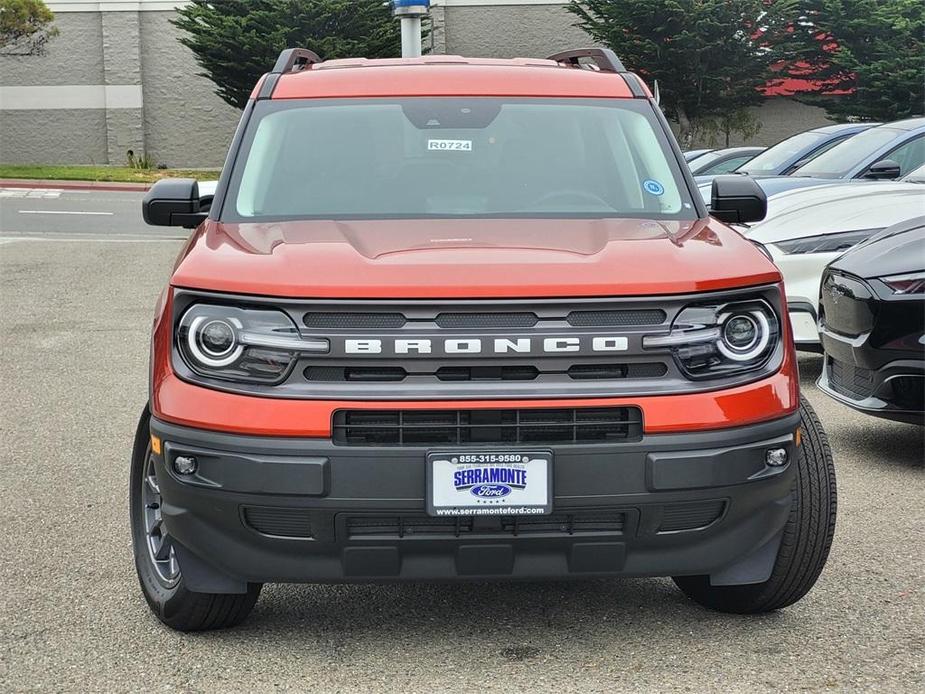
(653, 187)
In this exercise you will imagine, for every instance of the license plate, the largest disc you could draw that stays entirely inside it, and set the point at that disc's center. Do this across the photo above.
(489, 483)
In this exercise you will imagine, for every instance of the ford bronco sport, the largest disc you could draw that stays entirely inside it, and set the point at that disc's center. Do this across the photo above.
(453, 319)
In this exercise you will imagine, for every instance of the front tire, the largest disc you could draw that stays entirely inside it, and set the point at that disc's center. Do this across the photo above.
(155, 559)
(806, 541)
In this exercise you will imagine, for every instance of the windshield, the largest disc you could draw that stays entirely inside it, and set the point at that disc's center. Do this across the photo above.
(774, 159)
(844, 157)
(455, 157)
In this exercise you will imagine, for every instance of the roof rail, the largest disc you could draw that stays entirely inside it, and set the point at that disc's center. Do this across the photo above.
(294, 59)
(605, 59)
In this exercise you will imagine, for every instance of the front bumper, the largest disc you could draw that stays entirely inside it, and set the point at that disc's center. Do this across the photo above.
(263, 509)
(892, 391)
(803, 322)
(874, 345)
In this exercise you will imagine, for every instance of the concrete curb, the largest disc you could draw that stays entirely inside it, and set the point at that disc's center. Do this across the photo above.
(71, 185)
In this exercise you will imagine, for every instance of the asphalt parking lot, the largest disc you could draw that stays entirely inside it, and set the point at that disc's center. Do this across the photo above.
(76, 303)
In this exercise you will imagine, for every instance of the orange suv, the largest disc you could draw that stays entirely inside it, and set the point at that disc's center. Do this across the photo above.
(469, 319)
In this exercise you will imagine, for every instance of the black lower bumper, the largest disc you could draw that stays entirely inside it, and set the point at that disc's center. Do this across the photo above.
(893, 391)
(306, 510)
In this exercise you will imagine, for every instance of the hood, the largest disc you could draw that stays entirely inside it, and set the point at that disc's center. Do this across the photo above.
(837, 208)
(894, 251)
(478, 258)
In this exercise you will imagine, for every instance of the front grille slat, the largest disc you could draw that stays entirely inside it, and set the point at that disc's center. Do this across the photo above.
(517, 426)
(412, 526)
(392, 373)
(486, 320)
(348, 320)
(617, 318)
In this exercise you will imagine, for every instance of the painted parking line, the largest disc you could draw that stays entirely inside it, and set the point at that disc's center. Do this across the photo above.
(44, 193)
(74, 238)
(78, 212)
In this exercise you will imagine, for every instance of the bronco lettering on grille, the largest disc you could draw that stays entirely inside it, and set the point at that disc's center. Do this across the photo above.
(494, 346)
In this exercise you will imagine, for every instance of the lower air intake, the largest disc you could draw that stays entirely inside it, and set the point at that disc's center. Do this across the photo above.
(463, 427)
(279, 522)
(853, 381)
(690, 516)
(414, 526)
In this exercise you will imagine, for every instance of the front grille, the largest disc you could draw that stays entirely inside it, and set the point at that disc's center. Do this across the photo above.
(280, 522)
(852, 381)
(396, 527)
(532, 351)
(483, 349)
(463, 427)
(689, 516)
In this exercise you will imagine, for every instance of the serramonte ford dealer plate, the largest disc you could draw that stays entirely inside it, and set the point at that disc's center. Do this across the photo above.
(487, 483)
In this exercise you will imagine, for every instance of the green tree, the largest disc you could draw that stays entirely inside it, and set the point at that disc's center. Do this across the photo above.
(236, 41)
(872, 49)
(25, 27)
(710, 57)
(718, 130)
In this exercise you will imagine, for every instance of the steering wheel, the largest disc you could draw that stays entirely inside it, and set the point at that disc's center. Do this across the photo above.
(570, 194)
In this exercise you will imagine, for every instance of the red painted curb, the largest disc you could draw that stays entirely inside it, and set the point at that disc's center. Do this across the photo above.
(71, 185)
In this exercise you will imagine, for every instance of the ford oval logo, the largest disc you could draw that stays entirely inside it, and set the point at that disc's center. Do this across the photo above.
(490, 491)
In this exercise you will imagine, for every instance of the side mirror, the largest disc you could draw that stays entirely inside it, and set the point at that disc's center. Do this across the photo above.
(737, 199)
(883, 170)
(175, 202)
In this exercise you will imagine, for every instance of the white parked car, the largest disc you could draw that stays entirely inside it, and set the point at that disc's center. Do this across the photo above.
(807, 229)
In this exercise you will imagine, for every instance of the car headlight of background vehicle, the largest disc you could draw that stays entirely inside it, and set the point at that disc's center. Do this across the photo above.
(716, 340)
(911, 283)
(825, 243)
(241, 344)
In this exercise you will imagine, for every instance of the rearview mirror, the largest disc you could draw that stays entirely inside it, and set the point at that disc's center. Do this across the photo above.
(175, 202)
(737, 199)
(885, 169)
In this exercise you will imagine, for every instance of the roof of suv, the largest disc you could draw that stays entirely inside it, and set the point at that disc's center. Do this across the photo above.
(446, 75)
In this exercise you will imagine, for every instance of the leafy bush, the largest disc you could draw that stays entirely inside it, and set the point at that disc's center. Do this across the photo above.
(236, 41)
(25, 27)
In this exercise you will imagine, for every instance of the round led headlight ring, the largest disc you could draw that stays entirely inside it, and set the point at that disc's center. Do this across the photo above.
(745, 336)
(213, 342)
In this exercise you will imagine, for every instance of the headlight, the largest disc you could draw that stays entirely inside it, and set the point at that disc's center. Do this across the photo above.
(710, 341)
(238, 344)
(825, 243)
(913, 283)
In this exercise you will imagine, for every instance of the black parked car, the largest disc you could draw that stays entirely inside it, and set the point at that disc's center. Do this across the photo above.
(872, 322)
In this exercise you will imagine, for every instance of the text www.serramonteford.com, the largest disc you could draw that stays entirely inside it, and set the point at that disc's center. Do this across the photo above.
(494, 511)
